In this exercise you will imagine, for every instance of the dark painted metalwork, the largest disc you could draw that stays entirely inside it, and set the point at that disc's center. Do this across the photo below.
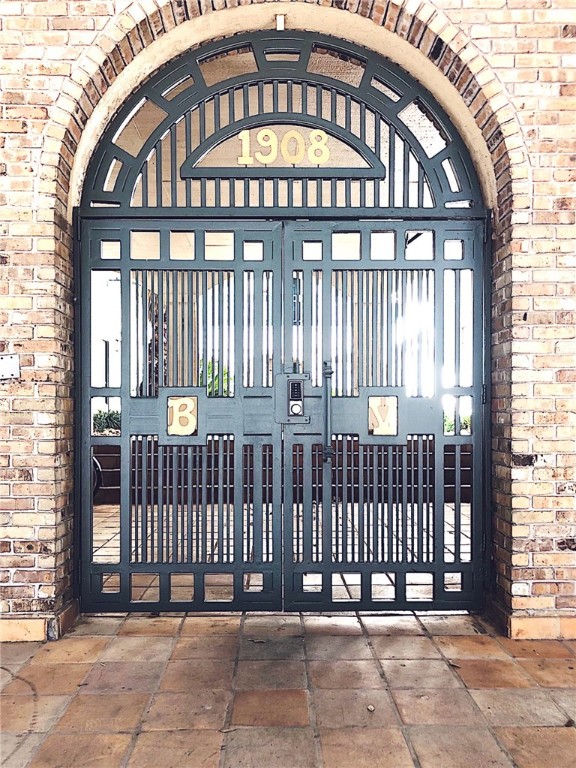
(287, 414)
(403, 152)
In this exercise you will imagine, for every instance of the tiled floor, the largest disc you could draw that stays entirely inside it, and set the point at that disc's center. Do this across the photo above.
(288, 691)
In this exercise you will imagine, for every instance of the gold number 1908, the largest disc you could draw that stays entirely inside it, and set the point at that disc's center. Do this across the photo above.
(293, 147)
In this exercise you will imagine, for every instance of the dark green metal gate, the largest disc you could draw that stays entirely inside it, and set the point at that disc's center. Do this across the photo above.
(282, 373)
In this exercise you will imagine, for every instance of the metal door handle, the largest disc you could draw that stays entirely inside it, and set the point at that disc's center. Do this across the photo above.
(327, 450)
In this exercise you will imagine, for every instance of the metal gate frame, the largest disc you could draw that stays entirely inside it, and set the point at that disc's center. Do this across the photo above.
(113, 209)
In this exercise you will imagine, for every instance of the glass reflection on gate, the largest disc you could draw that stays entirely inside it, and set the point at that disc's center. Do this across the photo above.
(105, 528)
(105, 328)
(383, 332)
(458, 365)
(182, 246)
(182, 331)
(458, 484)
(258, 329)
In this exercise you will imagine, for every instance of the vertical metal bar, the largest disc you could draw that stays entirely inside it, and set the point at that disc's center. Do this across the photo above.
(201, 140)
(457, 326)
(257, 347)
(362, 541)
(257, 519)
(420, 201)
(141, 545)
(458, 503)
(145, 198)
(421, 490)
(246, 465)
(403, 511)
(188, 143)
(162, 351)
(413, 490)
(306, 531)
(154, 476)
(158, 522)
(391, 166)
(266, 530)
(376, 488)
(377, 152)
(406, 174)
(135, 330)
(173, 166)
(172, 504)
(297, 534)
(198, 456)
(159, 172)
(377, 327)
(147, 367)
(429, 496)
(134, 508)
(393, 502)
(360, 330)
(188, 487)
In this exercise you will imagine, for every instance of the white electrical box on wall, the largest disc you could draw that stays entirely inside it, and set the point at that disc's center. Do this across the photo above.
(9, 367)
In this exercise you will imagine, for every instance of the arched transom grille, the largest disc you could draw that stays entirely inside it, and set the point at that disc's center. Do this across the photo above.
(286, 124)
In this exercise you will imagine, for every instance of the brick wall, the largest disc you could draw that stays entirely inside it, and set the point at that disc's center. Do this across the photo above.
(512, 61)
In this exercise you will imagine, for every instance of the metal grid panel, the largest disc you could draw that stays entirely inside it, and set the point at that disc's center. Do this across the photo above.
(334, 505)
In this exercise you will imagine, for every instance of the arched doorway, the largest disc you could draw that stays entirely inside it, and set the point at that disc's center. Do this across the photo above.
(283, 371)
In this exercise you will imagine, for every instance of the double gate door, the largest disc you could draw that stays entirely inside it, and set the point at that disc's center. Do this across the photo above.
(282, 415)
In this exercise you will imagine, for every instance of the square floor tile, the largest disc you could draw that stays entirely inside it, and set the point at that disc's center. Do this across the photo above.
(404, 647)
(123, 677)
(270, 748)
(49, 679)
(70, 650)
(539, 747)
(275, 625)
(143, 649)
(532, 649)
(97, 625)
(518, 707)
(470, 647)
(419, 674)
(345, 674)
(166, 626)
(452, 625)
(566, 700)
(326, 647)
(206, 647)
(177, 749)
(19, 748)
(251, 675)
(365, 748)
(191, 674)
(268, 708)
(98, 750)
(195, 626)
(437, 707)
(392, 625)
(15, 655)
(332, 625)
(457, 747)
(29, 713)
(492, 673)
(353, 708)
(205, 709)
(270, 647)
(551, 673)
(111, 712)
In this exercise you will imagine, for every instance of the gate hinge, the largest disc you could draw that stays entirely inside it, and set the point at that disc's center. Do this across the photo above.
(484, 394)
